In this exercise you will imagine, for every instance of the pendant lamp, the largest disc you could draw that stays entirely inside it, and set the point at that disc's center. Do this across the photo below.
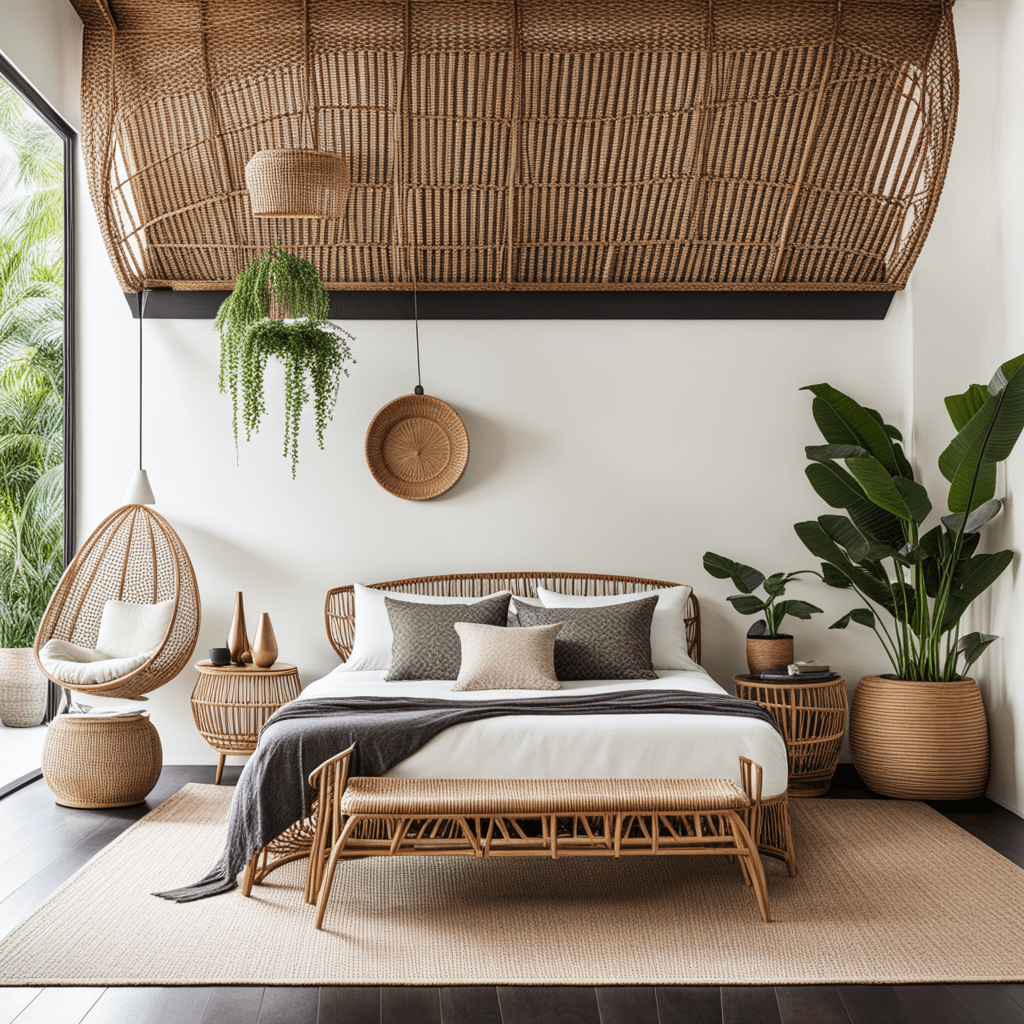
(139, 492)
(289, 182)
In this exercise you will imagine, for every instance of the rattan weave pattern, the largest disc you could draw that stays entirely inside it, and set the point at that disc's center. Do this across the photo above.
(527, 144)
(133, 555)
(340, 613)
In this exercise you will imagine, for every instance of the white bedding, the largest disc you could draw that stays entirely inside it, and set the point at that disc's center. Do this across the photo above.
(591, 746)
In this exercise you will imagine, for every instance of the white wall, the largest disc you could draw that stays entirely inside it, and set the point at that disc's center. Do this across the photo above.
(626, 447)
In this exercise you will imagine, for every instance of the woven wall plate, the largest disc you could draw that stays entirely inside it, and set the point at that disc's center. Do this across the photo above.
(417, 447)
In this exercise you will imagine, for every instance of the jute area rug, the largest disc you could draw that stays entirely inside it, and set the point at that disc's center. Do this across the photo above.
(887, 892)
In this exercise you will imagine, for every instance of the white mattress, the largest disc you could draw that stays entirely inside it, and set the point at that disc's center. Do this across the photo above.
(591, 746)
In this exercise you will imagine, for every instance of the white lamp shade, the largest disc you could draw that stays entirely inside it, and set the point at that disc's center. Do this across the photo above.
(139, 492)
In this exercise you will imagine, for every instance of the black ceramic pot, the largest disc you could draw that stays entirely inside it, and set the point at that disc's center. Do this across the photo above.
(220, 656)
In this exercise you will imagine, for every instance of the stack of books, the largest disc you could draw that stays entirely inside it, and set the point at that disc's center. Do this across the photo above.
(800, 672)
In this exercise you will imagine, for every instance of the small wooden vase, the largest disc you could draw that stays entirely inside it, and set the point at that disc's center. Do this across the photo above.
(238, 638)
(765, 652)
(264, 644)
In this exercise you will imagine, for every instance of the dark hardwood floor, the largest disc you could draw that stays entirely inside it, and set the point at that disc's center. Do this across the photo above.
(43, 844)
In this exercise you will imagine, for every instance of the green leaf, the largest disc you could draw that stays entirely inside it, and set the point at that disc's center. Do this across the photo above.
(840, 490)
(759, 628)
(744, 578)
(859, 427)
(775, 585)
(798, 609)
(987, 438)
(817, 541)
(973, 645)
(962, 407)
(832, 577)
(746, 604)
(880, 486)
(862, 616)
(971, 578)
(915, 497)
(974, 521)
(859, 547)
(827, 452)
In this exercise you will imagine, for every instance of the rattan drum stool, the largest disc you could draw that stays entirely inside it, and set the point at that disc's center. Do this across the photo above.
(230, 704)
(101, 761)
(812, 719)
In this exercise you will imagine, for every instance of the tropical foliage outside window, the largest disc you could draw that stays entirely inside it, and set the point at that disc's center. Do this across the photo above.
(31, 368)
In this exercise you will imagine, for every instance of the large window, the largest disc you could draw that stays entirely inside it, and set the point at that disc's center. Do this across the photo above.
(36, 362)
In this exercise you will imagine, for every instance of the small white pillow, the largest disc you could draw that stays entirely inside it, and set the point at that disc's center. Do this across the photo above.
(371, 651)
(127, 630)
(82, 666)
(498, 658)
(668, 626)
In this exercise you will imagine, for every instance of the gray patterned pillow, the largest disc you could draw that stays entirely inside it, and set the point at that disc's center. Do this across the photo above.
(608, 642)
(425, 644)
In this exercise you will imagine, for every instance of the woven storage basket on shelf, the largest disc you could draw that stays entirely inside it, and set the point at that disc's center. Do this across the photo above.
(417, 447)
(297, 183)
(101, 762)
(577, 145)
(23, 688)
(920, 741)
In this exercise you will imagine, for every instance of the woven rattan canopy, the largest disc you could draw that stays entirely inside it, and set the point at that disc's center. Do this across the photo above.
(532, 144)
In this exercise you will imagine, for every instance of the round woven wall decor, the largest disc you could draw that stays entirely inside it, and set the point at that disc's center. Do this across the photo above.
(417, 447)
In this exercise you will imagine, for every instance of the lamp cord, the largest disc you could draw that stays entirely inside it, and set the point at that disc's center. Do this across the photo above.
(410, 260)
(143, 295)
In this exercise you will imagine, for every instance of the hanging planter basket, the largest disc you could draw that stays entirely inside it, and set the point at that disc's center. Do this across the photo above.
(417, 447)
(297, 183)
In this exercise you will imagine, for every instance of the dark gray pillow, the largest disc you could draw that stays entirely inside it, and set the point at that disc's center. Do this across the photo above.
(607, 642)
(425, 644)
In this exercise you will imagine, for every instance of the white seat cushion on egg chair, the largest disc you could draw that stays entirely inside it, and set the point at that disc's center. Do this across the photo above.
(129, 635)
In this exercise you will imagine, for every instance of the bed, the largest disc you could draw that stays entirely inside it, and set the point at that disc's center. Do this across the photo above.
(535, 746)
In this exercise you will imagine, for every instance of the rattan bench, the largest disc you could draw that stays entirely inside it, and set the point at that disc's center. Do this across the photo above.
(371, 817)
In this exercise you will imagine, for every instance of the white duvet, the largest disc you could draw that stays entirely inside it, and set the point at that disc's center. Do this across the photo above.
(591, 746)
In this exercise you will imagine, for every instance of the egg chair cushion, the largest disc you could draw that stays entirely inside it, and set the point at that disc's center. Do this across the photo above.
(127, 630)
(82, 666)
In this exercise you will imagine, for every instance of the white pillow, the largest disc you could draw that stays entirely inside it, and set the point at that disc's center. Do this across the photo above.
(371, 650)
(668, 626)
(82, 666)
(127, 630)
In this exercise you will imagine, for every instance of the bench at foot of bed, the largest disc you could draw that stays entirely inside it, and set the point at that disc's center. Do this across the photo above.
(367, 817)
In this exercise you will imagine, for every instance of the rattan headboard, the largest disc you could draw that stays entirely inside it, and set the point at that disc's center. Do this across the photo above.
(340, 616)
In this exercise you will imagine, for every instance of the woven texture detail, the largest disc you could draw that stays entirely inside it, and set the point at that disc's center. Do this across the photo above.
(526, 144)
(22, 688)
(888, 891)
(540, 796)
(610, 642)
(340, 616)
(425, 644)
(134, 555)
(499, 658)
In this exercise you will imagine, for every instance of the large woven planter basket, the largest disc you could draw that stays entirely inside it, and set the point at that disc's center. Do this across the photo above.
(22, 688)
(920, 741)
(766, 652)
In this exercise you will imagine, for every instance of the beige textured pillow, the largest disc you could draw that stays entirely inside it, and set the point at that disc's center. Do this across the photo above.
(497, 658)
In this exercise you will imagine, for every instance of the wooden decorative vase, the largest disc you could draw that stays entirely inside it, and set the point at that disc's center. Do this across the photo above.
(920, 741)
(264, 644)
(765, 652)
(238, 638)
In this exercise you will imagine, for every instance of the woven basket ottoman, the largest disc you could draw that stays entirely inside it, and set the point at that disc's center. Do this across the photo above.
(22, 688)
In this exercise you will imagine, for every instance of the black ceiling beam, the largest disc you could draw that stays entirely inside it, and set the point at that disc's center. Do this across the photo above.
(166, 304)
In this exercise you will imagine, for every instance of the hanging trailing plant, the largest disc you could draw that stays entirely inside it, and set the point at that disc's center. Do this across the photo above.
(252, 327)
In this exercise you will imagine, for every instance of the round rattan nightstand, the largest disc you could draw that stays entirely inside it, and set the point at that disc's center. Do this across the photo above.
(812, 718)
(98, 761)
(231, 704)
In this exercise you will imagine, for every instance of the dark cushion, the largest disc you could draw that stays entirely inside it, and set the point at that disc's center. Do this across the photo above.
(608, 642)
(425, 644)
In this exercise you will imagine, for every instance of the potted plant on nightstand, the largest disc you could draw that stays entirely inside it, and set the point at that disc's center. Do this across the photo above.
(920, 731)
(279, 308)
(767, 646)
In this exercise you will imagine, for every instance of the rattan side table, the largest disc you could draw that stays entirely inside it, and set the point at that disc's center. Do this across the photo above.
(231, 704)
(812, 719)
